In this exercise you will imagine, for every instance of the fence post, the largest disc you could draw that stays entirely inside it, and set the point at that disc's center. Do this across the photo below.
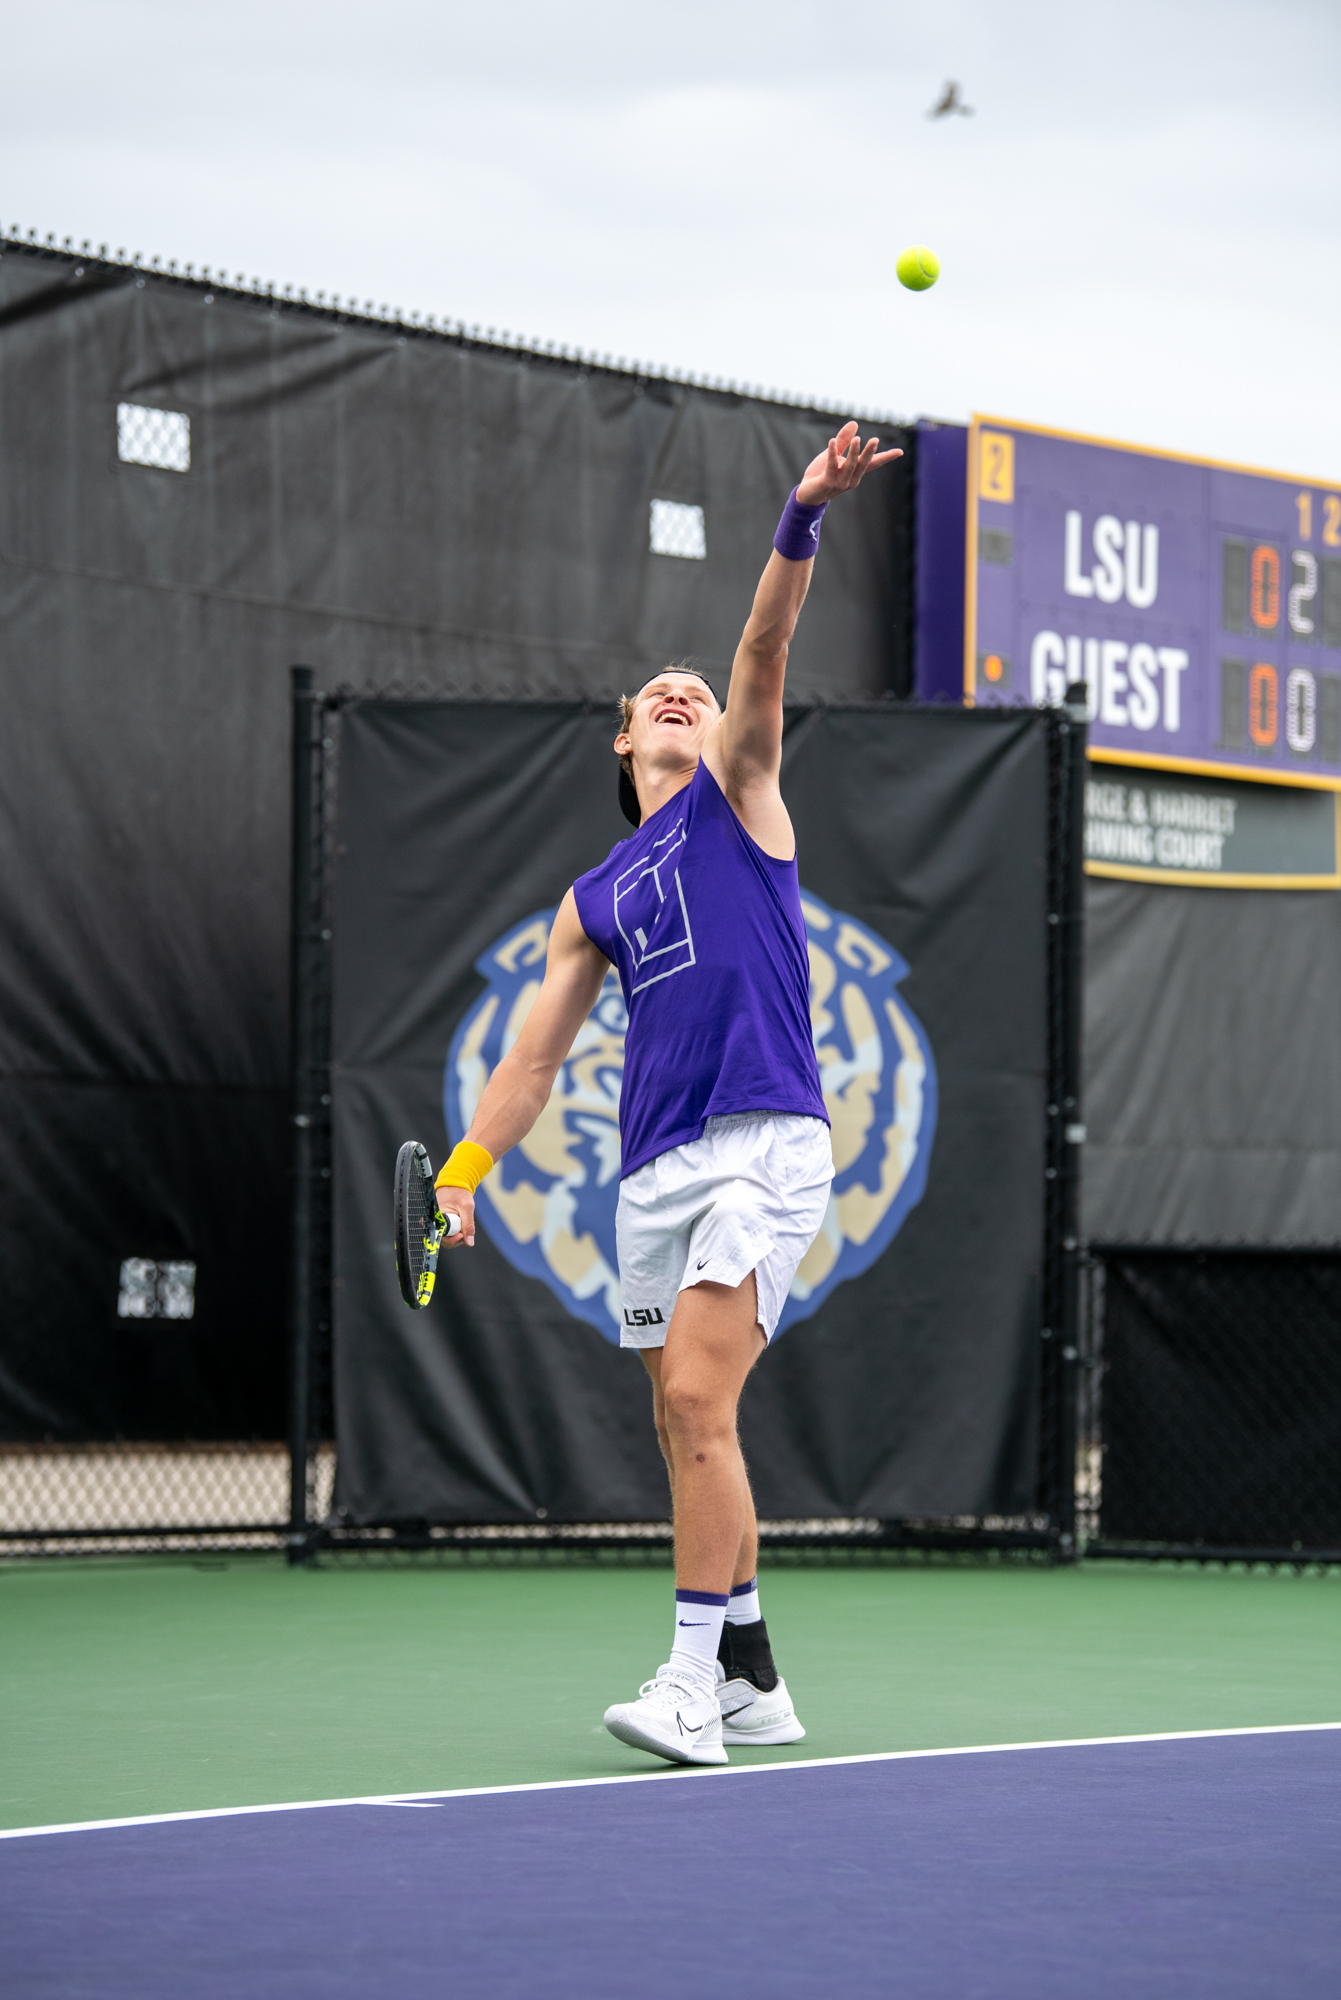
(304, 913)
(1070, 879)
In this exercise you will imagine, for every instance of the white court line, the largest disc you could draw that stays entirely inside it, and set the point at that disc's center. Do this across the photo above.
(654, 1777)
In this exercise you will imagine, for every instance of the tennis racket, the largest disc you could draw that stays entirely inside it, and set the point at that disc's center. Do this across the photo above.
(420, 1225)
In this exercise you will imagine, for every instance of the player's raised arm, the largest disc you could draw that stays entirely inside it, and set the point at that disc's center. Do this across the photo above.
(519, 1088)
(745, 751)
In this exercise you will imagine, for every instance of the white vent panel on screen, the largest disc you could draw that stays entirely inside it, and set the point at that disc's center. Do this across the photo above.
(150, 1290)
(153, 437)
(677, 530)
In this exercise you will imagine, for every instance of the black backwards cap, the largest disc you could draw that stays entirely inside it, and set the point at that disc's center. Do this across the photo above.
(628, 792)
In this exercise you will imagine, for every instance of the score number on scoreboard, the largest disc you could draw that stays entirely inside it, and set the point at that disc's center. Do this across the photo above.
(1259, 600)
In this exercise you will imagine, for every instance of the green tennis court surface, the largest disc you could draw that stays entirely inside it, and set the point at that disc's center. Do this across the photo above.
(156, 1686)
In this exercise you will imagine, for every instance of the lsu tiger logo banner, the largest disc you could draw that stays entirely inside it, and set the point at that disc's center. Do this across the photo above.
(549, 1205)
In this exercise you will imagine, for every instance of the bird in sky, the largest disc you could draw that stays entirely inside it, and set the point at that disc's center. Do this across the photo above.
(950, 102)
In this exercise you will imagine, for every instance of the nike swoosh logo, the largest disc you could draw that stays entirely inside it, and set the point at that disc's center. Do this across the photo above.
(701, 1262)
(688, 1729)
(693, 1621)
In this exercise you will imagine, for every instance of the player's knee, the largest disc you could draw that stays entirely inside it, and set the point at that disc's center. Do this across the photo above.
(693, 1414)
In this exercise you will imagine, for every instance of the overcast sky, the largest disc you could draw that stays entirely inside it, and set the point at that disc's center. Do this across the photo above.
(1138, 229)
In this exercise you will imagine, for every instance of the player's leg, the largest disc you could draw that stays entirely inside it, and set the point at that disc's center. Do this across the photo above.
(747, 1561)
(692, 1422)
(747, 1557)
(787, 1190)
(711, 1344)
(651, 1359)
(748, 1199)
(740, 1653)
(713, 1341)
(714, 1510)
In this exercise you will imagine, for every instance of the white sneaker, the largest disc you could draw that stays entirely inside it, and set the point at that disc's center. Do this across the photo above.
(671, 1720)
(751, 1717)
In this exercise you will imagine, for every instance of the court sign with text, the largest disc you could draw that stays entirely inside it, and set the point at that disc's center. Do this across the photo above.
(1148, 826)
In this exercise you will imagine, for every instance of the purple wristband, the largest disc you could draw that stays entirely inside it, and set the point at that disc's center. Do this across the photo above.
(798, 531)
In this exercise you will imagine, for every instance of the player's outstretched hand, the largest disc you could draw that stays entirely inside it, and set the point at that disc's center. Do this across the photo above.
(841, 466)
(458, 1201)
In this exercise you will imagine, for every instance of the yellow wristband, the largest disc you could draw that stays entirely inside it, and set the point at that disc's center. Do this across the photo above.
(466, 1166)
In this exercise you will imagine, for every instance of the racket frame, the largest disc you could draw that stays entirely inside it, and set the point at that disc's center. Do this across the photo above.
(417, 1245)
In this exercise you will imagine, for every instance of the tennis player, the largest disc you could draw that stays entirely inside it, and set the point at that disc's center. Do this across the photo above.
(726, 1161)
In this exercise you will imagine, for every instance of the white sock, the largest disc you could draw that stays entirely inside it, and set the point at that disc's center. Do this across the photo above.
(698, 1634)
(743, 1604)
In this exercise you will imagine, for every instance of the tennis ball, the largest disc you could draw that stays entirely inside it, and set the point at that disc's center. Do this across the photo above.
(918, 267)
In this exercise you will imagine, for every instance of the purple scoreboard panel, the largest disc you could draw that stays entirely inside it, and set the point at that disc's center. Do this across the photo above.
(1200, 603)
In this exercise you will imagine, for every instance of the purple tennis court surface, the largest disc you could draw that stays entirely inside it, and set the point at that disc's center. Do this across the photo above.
(1195, 1867)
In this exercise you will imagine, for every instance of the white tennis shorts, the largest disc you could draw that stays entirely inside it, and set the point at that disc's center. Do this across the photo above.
(749, 1195)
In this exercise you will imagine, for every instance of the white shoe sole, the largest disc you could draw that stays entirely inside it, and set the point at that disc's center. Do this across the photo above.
(781, 1732)
(621, 1725)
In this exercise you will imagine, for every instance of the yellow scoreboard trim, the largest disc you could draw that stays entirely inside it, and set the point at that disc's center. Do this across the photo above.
(971, 568)
(1154, 451)
(1194, 767)
(1150, 760)
(1171, 878)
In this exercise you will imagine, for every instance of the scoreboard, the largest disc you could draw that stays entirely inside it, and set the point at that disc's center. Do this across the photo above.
(1200, 603)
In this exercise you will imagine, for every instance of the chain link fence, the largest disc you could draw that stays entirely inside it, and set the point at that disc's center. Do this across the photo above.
(1209, 1426)
(1210, 1404)
(101, 1499)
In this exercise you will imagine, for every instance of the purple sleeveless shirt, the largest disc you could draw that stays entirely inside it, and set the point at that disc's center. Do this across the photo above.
(706, 933)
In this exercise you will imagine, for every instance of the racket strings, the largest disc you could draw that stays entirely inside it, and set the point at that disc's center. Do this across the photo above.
(420, 1219)
(429, 1226)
